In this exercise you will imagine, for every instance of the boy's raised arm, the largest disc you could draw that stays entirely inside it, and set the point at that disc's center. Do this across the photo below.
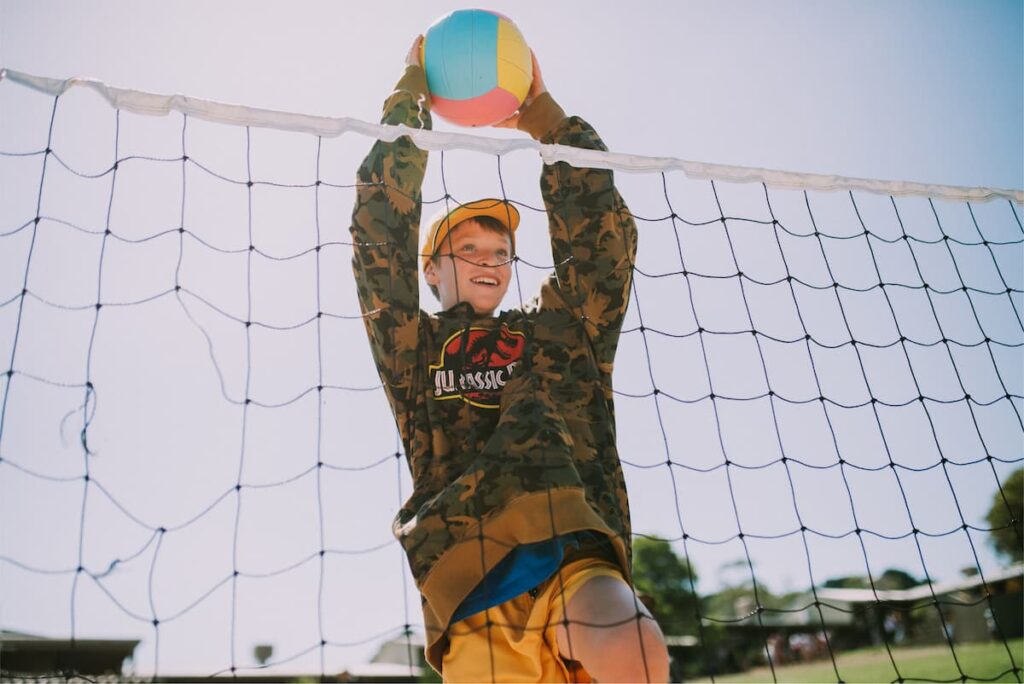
(593, 235)
(385, 232)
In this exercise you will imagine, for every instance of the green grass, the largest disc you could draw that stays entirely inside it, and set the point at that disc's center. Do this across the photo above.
(982, 661)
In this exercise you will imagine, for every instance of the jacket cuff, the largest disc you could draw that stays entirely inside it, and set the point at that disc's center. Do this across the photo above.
(541, 117)
(414, 82)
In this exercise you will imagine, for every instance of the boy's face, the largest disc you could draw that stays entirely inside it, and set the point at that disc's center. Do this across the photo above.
(480, 271)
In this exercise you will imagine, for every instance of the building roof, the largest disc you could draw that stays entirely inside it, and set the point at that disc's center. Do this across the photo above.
(33, 654)
(922, 592)
(11, 640)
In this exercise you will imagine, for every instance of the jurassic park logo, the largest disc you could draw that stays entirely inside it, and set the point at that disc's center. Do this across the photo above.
(477, 374)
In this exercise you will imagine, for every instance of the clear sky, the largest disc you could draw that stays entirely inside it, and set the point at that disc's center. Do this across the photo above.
(922, 91)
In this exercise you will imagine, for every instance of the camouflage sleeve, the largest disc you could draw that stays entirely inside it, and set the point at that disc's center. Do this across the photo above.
(385, 230)
(593, 235)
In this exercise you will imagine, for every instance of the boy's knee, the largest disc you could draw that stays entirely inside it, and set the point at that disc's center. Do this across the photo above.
(616, 639)
(632, 652)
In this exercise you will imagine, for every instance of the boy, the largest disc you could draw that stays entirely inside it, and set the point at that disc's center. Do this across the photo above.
(517, 530)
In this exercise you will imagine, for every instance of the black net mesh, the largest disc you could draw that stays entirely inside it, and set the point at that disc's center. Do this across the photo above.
(818, 400)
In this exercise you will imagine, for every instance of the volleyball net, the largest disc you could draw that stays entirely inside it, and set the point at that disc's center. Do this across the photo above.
(818, 388)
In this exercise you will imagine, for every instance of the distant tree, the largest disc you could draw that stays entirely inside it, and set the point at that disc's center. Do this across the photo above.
(1005, 536)
(850, 582)
(736, 572)
(893, 578)
(667, 581)
(737, 602)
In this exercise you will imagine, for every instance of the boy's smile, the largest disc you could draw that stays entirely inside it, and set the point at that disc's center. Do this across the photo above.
(473, 264)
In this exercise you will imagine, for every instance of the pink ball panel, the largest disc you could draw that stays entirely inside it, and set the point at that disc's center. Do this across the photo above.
(489, 108)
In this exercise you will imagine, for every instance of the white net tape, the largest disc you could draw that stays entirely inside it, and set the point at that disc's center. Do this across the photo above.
(140, 102)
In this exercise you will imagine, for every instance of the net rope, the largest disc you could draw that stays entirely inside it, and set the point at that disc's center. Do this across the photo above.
(979, 397)
(141, 102)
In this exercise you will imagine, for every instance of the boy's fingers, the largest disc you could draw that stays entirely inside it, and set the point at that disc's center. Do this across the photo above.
(413, 57)
(510, 122)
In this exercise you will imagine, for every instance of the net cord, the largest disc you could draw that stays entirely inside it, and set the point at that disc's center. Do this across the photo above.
(140, 102)
(929, 596)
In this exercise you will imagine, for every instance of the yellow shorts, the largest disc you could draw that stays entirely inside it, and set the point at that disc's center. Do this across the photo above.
(521, 645)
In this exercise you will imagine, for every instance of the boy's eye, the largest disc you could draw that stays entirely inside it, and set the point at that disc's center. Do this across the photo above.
(468, 248)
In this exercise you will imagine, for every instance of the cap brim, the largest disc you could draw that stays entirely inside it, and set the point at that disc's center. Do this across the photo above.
(499, 210)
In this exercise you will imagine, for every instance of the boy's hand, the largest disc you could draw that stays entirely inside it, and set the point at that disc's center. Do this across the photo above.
(413, 58)
(537, 88)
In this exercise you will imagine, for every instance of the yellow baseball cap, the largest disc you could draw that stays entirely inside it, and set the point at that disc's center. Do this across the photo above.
(443, 223)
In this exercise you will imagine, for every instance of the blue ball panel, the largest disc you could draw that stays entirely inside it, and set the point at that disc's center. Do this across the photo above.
(461, 55)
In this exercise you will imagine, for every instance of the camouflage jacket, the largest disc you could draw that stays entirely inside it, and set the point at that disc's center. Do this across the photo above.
(507, 422)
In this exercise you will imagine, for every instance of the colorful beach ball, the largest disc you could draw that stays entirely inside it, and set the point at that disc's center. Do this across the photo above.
(478, 67)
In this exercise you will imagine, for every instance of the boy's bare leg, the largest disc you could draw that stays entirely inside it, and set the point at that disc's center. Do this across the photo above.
(628, 649)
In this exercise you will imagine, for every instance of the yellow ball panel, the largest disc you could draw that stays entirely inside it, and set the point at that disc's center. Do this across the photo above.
(512, 78)
(515, 68)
